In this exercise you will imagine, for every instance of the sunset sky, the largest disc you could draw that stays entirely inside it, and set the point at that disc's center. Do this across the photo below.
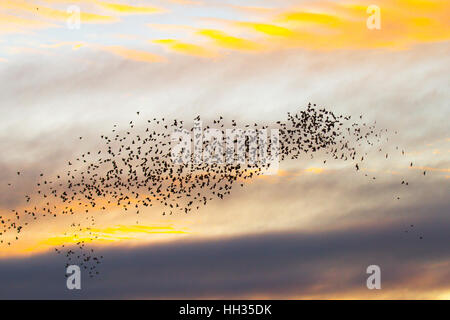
(308, 232)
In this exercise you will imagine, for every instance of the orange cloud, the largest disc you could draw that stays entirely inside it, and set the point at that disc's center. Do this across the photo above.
(328, 26)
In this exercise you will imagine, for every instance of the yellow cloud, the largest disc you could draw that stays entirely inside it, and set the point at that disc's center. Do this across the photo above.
(129, 9)
(186, 48)
(268, 29)
(223, 40)
(41, 242)
(296, 17)
(108, 234)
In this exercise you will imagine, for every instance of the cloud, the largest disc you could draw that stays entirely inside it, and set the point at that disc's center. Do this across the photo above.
(300, 234)
(186, 48)
(271, 265)
(23, 7)
(186, 2)
(334, 25)
(223, 40)
(129, 9)
(269, 29)
(309, 17)
(87, 91)
(13, 24)
(132, 54)
(74, 44)
(102, 235)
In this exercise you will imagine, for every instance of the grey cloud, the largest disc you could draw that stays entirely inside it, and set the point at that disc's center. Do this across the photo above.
(272, 264)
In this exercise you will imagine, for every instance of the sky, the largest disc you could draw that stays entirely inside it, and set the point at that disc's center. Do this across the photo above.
(308, 232)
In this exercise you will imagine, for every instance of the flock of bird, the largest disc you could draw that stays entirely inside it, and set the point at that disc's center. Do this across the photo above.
(135, 170)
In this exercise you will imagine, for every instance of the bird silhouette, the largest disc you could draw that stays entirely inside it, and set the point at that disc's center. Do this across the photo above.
(134, 169)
